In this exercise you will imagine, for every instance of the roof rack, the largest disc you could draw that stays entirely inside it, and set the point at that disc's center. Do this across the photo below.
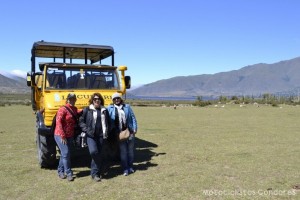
(93, 53)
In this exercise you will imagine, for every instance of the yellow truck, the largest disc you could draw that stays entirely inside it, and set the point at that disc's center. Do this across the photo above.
(61, 68)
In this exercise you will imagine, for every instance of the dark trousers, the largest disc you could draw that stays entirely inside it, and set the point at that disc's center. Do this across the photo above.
(95, 147)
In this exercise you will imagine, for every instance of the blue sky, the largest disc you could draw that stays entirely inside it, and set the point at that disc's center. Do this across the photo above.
(157, 39)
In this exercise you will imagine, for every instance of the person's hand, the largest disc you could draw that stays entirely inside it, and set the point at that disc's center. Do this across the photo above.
(63, 140)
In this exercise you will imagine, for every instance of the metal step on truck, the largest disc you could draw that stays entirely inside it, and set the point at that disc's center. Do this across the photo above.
(61, 68)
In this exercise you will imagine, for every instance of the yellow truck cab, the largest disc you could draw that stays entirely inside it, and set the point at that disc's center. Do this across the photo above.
(58, 69)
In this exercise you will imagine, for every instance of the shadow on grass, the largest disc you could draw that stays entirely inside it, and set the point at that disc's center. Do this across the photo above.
(81, 159)
(111, 160)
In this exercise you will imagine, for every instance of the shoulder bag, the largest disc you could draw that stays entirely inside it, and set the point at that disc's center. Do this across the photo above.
(124, 135)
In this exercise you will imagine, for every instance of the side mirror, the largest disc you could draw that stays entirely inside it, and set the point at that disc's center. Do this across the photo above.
(28, 79)
(127, 82)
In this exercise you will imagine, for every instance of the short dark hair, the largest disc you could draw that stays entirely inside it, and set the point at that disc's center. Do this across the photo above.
(71, 95)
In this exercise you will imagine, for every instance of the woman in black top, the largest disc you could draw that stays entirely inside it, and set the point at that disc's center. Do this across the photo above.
(94, 122)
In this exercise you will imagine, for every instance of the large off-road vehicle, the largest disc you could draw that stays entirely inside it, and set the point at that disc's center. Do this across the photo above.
(65, 68)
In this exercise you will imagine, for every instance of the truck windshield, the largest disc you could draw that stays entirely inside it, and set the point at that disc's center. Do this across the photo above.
(78, 78)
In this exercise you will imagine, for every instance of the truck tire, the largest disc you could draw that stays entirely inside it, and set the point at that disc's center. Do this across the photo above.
(46, 148)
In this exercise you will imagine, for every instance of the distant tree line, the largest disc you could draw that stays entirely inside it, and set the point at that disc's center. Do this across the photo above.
(266, 98)
(270, 99)
(14, 99)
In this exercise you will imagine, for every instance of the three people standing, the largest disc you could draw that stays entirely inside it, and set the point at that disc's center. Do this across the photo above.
(97, 122)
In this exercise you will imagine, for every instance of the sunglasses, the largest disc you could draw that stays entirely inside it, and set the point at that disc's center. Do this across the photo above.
(116, 98)
(96, 99)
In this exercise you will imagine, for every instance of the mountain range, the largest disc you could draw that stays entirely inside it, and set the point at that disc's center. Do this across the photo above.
(13, 84)
(280, 77)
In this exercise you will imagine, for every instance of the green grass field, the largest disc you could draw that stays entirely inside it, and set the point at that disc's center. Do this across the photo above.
(187, 153)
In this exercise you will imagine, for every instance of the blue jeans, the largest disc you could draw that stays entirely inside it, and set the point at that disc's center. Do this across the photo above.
(127, 153)
(64, 165)
(95, 147)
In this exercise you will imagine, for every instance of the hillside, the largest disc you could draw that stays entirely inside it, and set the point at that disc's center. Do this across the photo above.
(9, 85)
(255, 79)
(281, 77)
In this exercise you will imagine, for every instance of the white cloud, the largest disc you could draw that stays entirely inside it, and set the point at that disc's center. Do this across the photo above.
(19, 73)
(14, 73)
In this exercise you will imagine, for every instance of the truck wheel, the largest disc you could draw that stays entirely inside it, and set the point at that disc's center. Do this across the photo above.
(46, 148)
